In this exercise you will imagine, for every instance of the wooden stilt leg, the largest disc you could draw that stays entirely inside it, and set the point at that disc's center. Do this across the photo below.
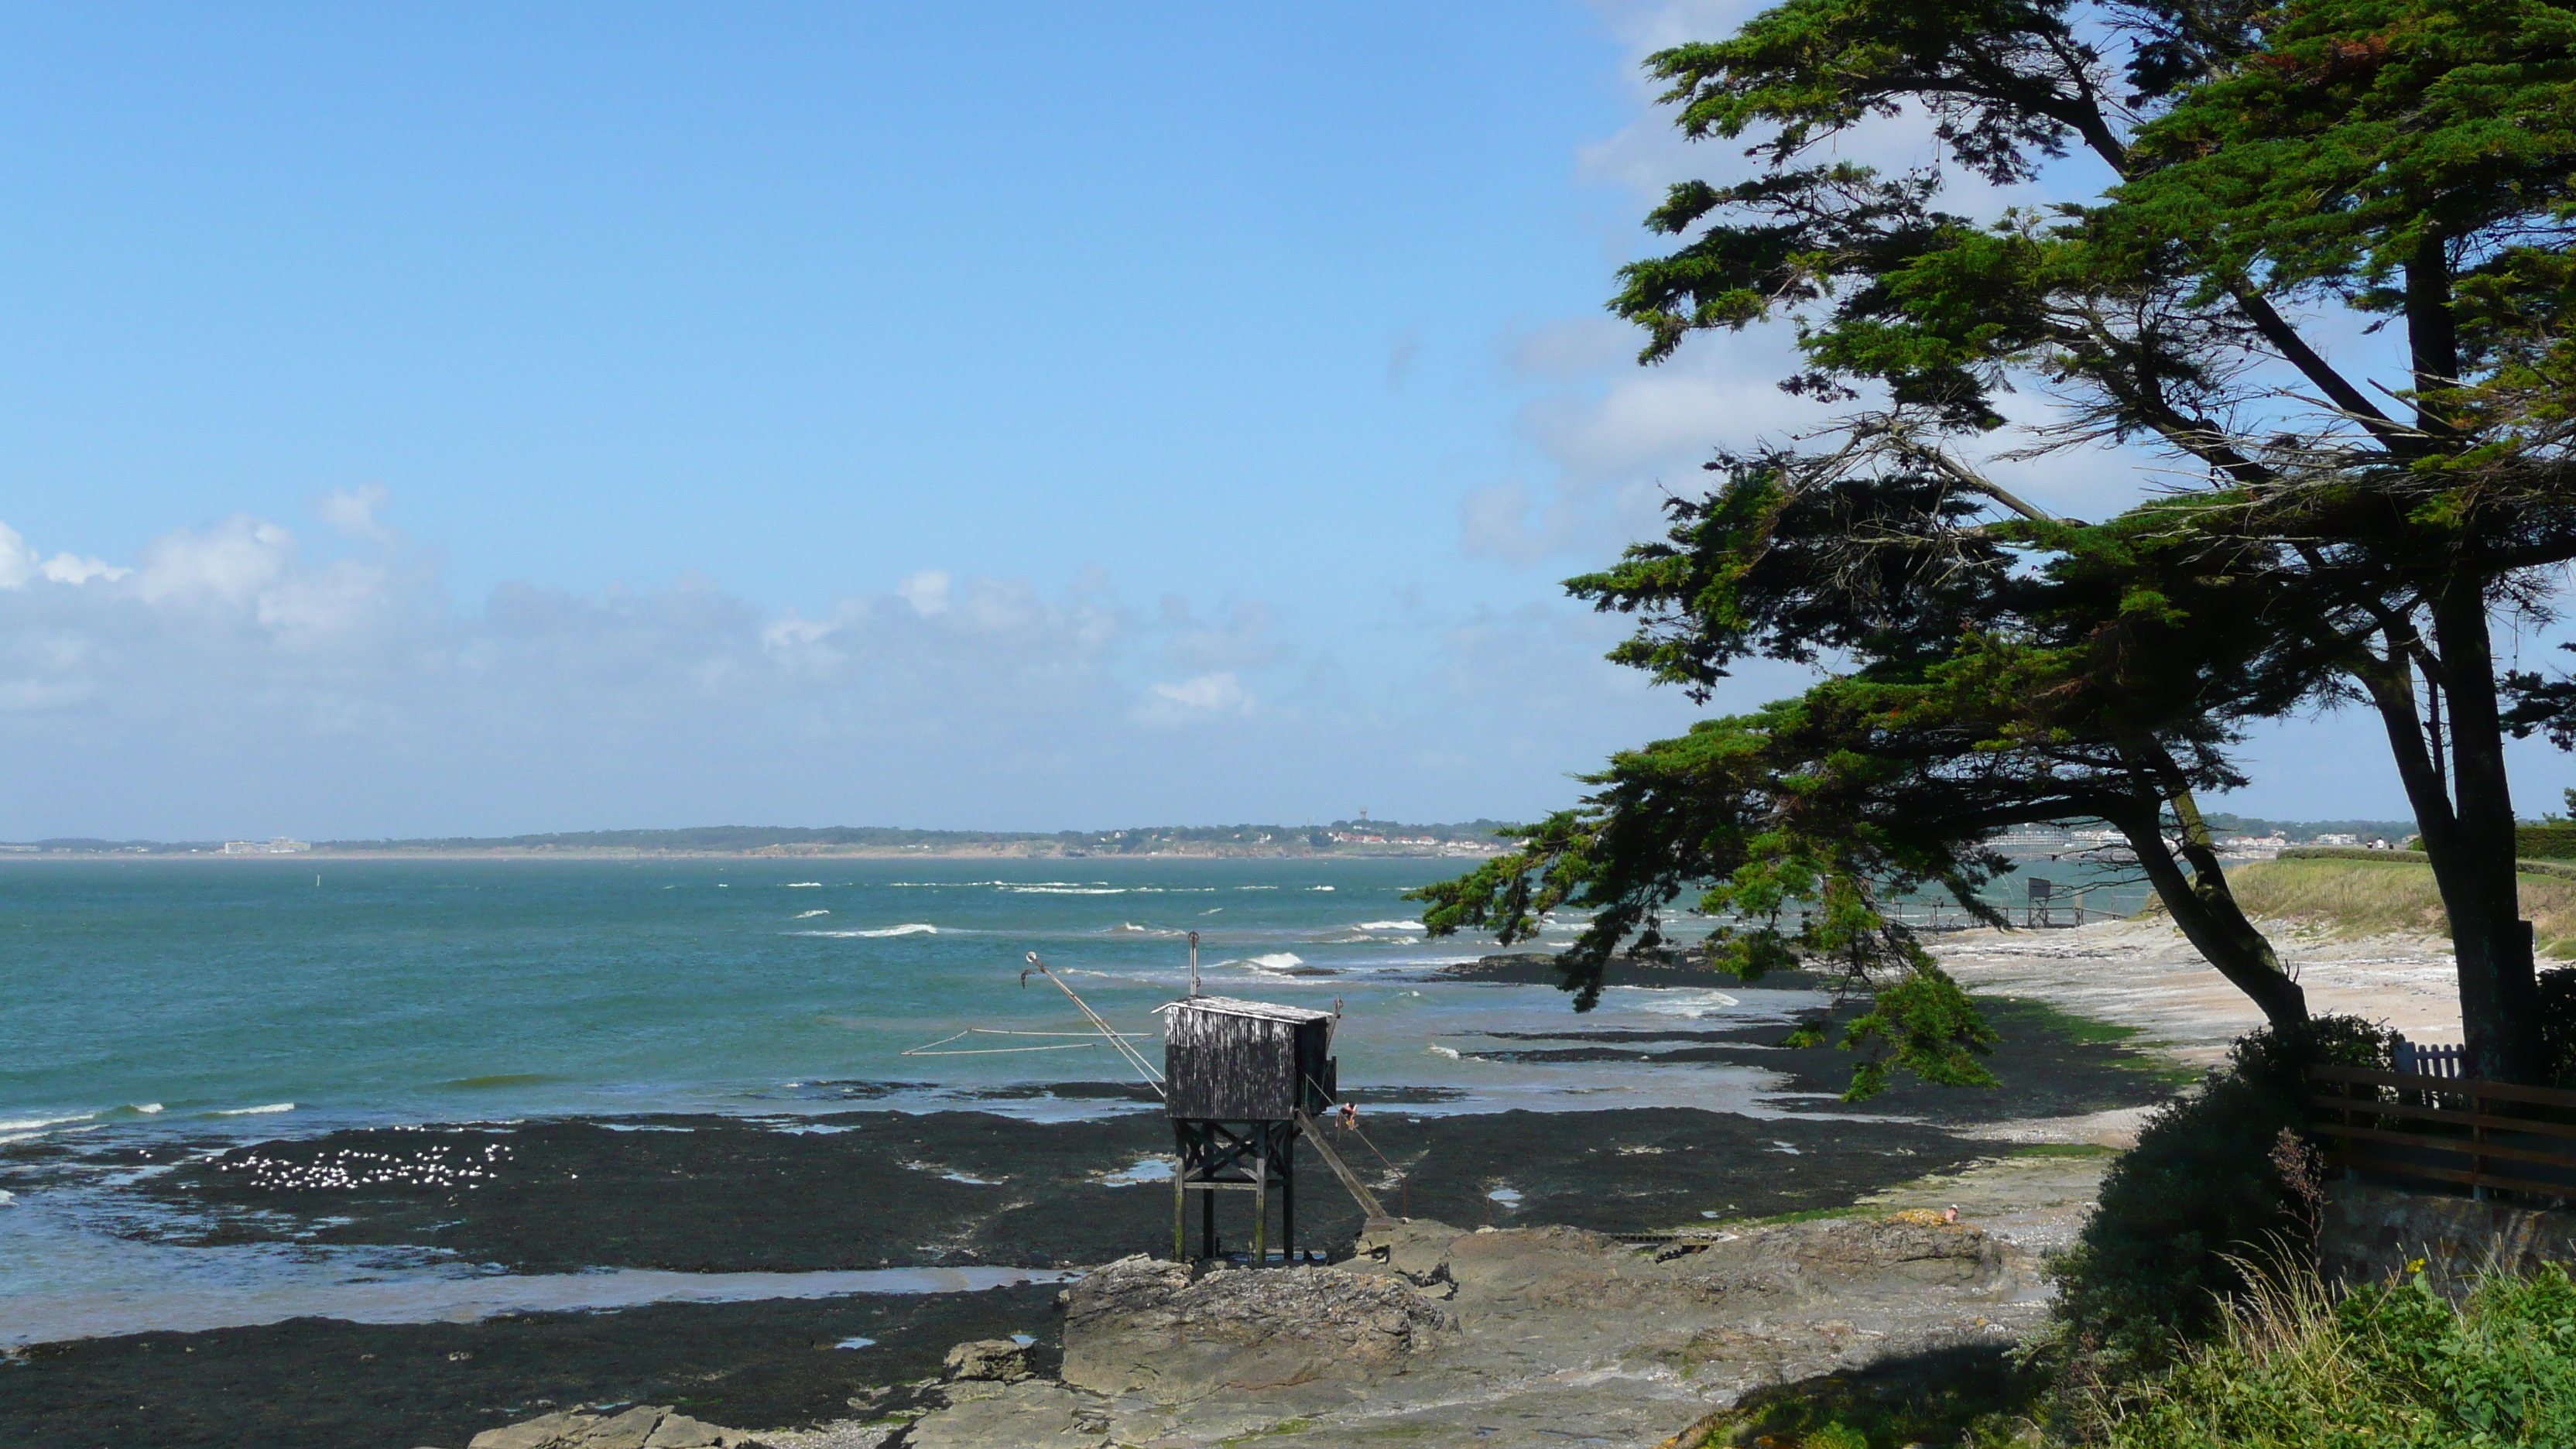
(1260, 1205)
(1180, 1199)
(1288, 1191)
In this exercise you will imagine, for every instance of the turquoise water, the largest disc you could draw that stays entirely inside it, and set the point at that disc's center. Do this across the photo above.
(364, 990)
(211, 1000)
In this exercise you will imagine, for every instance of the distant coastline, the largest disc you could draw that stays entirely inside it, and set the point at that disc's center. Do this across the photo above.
(1344, 839)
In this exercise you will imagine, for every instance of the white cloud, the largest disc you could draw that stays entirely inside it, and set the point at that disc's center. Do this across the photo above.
(19, 566)
(353, 511)
(63, 568)
(229, 564)
(1206, 697)
(926, 591)
(230, 680)
(17, 561)
(231, 676)
(1616, 439)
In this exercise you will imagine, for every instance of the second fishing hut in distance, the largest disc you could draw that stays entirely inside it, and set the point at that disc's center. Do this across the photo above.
(1242, 1081)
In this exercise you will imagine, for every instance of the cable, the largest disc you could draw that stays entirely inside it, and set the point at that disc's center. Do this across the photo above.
(1135, 1058)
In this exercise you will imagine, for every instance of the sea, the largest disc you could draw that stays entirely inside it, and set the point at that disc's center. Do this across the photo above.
(207, 1002)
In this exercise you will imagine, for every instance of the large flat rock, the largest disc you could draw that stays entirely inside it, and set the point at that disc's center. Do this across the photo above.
(1174, 1333)
(1499, 1338)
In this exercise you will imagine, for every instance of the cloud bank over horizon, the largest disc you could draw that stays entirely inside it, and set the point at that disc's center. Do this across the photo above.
(237, 679)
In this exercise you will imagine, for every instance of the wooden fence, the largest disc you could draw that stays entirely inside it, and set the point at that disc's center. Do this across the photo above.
(2486, 1135)
(2430, 1061)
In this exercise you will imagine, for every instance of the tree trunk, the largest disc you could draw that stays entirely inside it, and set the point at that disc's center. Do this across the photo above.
(2499, 990)
(2206, 910)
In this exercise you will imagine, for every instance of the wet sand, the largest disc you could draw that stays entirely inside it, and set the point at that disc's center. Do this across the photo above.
(315, 1383)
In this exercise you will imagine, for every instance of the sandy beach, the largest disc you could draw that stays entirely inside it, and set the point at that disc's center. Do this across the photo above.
(2143, 974)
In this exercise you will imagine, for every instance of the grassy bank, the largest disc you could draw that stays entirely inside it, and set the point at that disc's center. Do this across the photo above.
(2363, 897)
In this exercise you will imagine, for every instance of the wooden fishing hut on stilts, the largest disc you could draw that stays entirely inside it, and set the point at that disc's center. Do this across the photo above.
(1242, 1079)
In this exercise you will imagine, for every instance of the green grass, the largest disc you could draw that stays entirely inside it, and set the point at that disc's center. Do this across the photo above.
(1284, 1426)
(2393, 1367)
(2067, 1024)
(2027, 1015)
(2065, 1149)
(1803, 1215)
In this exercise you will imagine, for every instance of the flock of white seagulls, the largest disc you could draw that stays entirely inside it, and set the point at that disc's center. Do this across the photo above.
(438, 1166)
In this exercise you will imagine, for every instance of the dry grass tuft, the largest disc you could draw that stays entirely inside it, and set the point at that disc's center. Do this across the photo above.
(2365, 898)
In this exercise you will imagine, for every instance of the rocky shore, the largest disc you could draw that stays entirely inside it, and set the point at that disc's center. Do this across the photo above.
(867, 1189)
(1433, 1336)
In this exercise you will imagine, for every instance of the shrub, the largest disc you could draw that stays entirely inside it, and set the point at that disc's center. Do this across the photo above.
(2395, 1367)
(2555, 840)
(2558, 1024)
(2181, 1213)
(1971, 1398)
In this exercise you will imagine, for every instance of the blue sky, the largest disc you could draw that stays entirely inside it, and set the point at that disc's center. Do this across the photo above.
(530, 418)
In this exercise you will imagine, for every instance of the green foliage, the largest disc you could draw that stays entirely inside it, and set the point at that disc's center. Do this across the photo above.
(2412, 162)
(1786, 831)
(2558, 1024)
(1928, 1026)
(2181, 1213)
(1959, 1398)
(2409, 163)
(2390, 1365)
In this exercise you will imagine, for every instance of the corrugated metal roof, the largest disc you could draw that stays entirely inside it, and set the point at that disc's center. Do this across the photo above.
(1229, 1006)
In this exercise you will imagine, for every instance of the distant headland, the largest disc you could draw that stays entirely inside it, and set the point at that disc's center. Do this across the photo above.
(1361, 838)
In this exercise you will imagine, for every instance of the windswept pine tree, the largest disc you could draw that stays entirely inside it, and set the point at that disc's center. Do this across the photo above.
(2320, 529)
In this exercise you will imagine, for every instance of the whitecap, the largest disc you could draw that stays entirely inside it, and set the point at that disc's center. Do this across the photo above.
(1437, 1050)
(1390, 926)
(809, 915)
(909, 928)
(1275, 961)
(804, 885)
(1319, 888)
(29, 1124)
(1060, 890)
(147, 1108)
(261, 1111)
(1690, 1003)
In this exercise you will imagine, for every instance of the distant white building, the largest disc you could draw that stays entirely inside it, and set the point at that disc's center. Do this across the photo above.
(279, 846)
(2337, 840)
(2031, 842)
